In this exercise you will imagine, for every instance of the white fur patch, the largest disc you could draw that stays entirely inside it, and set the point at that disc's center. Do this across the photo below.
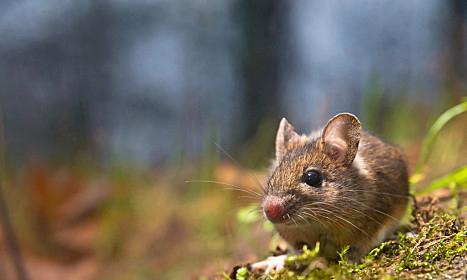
(270, 264)
(360, 164)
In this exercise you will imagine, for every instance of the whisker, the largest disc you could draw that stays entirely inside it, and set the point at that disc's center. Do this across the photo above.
(252, 195)
(243, 196)
(302, 219)
(234, 187)
(312, 215)
(376, 210)
(238, 164)
(316, 211)
(255, 210)
(323, 210)
(353, 209)
(363, 204)
(320, 213)
(326, 210)
(341, 217)
(299, 216)
(350, 223)
(293, 221)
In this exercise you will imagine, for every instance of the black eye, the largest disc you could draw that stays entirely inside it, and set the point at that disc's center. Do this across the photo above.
(311, 178)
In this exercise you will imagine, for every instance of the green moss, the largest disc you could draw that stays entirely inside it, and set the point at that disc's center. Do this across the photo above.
(426, 251)
(242, 273)
(298, 261)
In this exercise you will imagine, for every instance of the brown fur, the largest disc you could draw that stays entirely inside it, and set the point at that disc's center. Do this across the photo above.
(360, 200)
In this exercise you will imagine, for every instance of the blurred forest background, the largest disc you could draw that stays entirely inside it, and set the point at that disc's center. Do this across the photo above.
(108, 107)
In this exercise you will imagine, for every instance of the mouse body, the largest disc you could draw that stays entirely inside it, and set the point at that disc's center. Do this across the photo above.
(337, 186)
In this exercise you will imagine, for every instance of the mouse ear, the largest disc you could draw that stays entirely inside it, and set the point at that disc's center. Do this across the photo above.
(285, 136)
(340, 138)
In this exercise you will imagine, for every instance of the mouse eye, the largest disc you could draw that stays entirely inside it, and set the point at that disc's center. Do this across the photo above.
(311, 178)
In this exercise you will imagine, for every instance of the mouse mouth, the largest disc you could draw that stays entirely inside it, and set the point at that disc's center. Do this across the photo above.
(278, 210)
(291, 220)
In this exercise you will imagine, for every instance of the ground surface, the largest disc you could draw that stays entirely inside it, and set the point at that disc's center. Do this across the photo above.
(434, 246)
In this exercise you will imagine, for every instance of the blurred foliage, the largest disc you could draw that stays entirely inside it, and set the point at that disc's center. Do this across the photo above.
(435, 130)
(372, 105)
(256, 152)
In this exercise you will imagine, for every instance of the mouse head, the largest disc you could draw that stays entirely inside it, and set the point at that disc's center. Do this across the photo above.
(311, 172)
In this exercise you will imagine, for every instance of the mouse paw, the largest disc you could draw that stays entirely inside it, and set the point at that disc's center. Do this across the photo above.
(270, 264)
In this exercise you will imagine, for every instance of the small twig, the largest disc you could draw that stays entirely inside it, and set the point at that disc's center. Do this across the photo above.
(5, 221)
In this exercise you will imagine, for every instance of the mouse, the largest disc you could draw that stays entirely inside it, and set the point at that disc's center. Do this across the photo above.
(339, 186)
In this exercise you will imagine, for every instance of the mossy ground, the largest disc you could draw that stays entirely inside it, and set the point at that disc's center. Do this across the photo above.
(433, 246)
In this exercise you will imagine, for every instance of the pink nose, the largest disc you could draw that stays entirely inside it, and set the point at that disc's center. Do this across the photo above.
(273, 209)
